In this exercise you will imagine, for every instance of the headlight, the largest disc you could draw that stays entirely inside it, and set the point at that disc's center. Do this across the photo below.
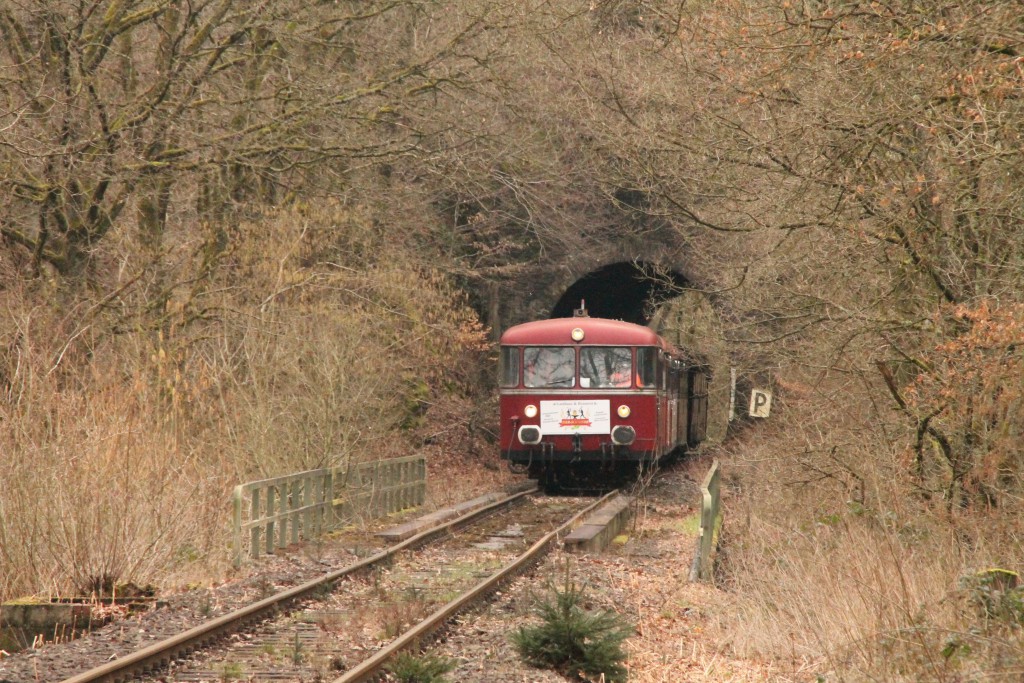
(623, 435)
(529, 435)
(623, 411)
(530, 411)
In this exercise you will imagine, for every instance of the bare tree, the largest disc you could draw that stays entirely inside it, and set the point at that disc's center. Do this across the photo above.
(162, 106)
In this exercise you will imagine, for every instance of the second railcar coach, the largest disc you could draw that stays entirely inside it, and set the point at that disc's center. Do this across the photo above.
(586, 397)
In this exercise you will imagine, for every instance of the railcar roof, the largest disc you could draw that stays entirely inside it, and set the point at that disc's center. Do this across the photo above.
(600, 331)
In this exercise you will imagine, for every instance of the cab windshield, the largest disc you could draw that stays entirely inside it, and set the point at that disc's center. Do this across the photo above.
(603, 367)
(549, 366)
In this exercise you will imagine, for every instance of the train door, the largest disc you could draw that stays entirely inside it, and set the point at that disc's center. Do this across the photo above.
(672, 433)
(683, 419)
(705, 382)
(698, 422)
(664, 404)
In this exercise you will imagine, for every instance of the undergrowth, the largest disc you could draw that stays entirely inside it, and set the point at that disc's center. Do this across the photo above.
(125, 427)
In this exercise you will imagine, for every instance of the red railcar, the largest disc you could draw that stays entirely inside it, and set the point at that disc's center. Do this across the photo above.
(582, 397)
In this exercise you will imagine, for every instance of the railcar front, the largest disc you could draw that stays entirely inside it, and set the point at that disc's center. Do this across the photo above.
(586, 393)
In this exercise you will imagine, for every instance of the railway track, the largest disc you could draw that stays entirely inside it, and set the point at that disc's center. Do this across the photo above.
(344, 626)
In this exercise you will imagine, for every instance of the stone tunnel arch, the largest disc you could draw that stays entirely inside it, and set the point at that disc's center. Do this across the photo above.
(627, 290)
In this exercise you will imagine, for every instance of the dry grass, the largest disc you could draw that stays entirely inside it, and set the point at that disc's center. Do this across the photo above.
(98, 486)
(836, 565)
(124, 428)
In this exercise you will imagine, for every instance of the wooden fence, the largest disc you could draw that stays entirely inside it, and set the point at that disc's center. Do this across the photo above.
(710, 525)
(274, 513)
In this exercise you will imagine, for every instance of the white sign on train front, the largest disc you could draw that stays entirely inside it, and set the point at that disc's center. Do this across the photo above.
(575, 417)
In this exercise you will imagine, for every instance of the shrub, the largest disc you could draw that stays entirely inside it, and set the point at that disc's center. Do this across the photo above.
(409, 668)
(573, 641)
(996, 594)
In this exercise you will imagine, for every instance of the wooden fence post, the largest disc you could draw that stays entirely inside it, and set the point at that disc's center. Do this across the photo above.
(271, 536)
(710, 524)
(236, 526)
(254, 546)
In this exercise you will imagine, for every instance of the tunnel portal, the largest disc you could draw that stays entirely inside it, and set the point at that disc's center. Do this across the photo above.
(628, 291)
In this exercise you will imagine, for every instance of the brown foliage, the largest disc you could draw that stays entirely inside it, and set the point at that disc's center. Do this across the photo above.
(969, 389)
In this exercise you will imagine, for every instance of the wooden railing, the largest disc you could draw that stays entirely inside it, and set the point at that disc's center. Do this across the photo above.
(274, 513)
(710, 525)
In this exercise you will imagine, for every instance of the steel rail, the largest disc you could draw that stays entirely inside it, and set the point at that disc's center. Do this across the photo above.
(164, 652)
(372, 666)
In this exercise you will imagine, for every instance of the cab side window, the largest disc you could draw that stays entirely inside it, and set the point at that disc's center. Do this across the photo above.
(647, 366)
(508, 366)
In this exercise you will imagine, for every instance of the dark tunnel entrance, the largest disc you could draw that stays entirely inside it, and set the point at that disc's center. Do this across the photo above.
(621, 291)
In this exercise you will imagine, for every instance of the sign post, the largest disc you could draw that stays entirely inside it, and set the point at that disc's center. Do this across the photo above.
(732, 394)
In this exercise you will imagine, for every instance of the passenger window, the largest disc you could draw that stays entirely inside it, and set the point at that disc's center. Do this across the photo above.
(606, 367)
(549, 366)
(508, 366)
